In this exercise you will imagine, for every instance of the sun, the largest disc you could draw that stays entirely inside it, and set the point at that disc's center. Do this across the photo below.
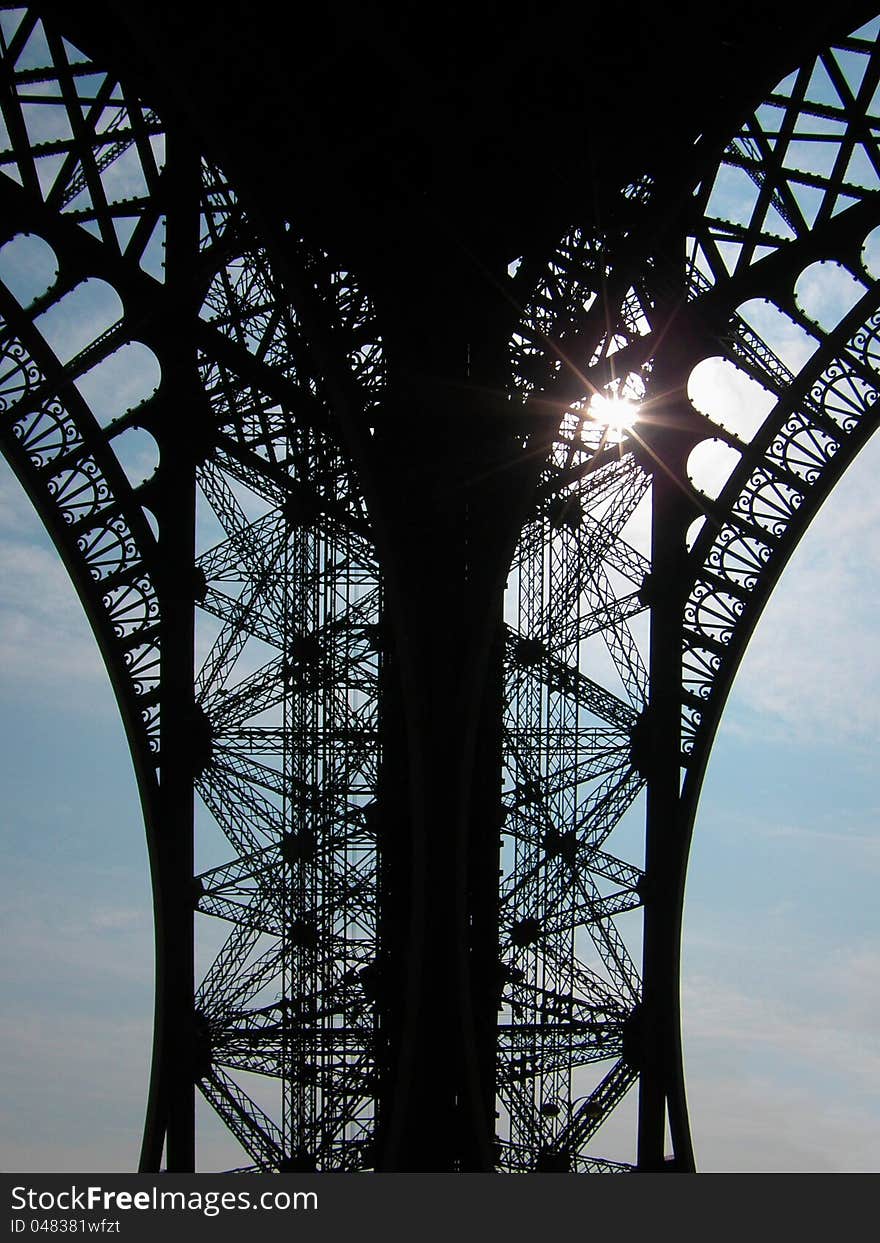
(614, 415)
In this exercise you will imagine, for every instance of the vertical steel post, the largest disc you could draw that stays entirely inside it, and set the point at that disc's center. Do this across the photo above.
(449, 514)
(179, 430)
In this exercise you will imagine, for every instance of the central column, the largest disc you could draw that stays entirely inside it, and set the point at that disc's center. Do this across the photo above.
(447, 487)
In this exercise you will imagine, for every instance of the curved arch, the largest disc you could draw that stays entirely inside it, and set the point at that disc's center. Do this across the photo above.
(770, 209)
(279, 555)
(824, 413)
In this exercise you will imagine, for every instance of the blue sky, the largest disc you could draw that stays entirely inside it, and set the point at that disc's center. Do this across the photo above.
(76, 917)
(781, 954)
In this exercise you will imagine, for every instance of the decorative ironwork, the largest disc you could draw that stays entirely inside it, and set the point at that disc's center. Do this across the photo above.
(798, 182)
(289, 743)
(571, 983)
(574, 758)
(284, 734)
(631, 595)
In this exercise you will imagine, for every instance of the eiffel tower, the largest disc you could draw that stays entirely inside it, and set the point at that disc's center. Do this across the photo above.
(423, 619)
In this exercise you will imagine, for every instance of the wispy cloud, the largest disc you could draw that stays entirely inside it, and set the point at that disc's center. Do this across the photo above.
(810, 674)
(862, 848)
(749, 1122)
(826, 1039)
(89, 950)
(45, 641)
(74, 1089)
(826, 291)
(789, 1081)
(729, 397)
(850, 830)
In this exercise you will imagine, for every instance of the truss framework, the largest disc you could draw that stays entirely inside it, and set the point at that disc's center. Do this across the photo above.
(632, 592)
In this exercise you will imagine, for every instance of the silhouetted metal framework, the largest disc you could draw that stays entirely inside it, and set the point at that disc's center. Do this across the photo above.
(446, 912)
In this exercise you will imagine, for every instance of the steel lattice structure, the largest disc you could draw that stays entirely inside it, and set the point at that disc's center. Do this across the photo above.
(454, 818)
